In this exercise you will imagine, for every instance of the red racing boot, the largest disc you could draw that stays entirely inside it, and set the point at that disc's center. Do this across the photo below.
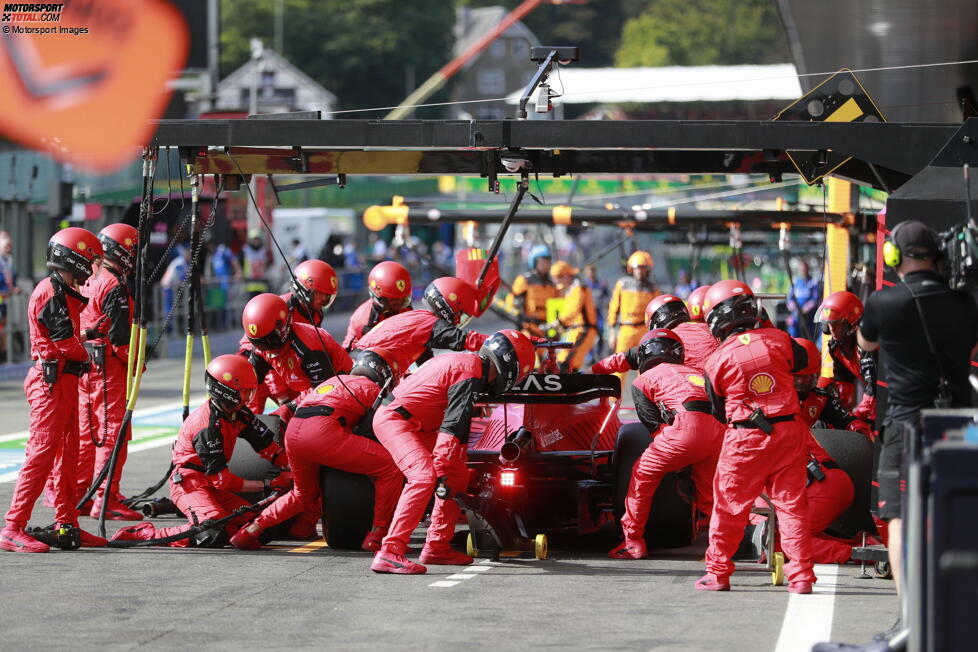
(304, 526)
(371, 542)
(803, 588)
(629, 549)
(16, 540)
(141, 532)
(115, 510)
(443, 555)
(710, 583)
(397, 564)
(244, 539)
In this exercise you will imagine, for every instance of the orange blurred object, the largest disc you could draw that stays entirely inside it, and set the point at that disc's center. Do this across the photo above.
(87, 91)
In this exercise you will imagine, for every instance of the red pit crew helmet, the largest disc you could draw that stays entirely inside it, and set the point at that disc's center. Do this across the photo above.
(119, 243)
(312, 278)
(513, 355)
(695, 303)
(267, 322)
(730, 305)
(230, 381)
(74, 250)
(657, 346)
(666, 311)
(451, 299)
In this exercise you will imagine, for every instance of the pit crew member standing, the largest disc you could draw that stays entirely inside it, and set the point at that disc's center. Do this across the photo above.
(666, 311)
(202, 486)
(628, 300)
(914, 367)
(426, 428)
(51, 386)
(830, 490)
(577, 315)
(321, 434)
(389, 285)
(530, 292)
(289, 358)
(670, 399)
(313, 292)
(751, 384)
(102, 391)
(410, 336)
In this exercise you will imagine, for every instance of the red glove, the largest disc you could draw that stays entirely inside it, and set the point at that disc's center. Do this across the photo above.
(538, 340)
(612, 364)
(281, 483)
(226, 480)
(860, 426)
(474, 340)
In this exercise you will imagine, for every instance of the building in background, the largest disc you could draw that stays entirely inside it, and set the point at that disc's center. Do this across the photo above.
(279, 86)
(502, 68)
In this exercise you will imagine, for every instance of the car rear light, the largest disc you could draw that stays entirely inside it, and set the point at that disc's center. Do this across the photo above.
(507, 478)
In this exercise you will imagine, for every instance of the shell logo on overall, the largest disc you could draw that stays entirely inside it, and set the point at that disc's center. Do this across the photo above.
(694, 379)
(762, 383)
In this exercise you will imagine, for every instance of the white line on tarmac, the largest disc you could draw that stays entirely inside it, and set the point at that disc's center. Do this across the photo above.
(808, 618)
(467, 574)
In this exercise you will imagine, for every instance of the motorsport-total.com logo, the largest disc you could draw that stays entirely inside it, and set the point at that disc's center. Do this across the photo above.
(31, 12)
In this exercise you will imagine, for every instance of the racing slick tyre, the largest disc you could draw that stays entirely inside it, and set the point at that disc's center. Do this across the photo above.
(246, 463)
(853, 453)
(348, 508)
(670, 522)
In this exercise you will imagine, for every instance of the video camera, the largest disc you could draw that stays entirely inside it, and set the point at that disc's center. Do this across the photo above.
(960, 248)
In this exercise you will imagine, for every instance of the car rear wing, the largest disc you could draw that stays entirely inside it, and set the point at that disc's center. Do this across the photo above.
(558, 389)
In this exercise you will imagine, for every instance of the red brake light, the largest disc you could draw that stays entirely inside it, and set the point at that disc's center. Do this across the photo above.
(507, 478)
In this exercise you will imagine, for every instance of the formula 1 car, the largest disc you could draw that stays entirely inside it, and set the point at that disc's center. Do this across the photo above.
(553, 458)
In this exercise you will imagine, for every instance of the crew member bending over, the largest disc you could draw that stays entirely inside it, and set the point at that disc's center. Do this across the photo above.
(426, 429)
(670, 399)
(321, 434)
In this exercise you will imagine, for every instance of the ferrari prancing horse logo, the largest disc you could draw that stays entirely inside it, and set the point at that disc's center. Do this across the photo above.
(400, 285)
(253, 329)
(744, 339)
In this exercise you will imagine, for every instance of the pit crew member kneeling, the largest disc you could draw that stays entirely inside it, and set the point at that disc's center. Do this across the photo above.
(321, 434)
(426, 428)
(670, 399)
(202, 486)
(751, 383)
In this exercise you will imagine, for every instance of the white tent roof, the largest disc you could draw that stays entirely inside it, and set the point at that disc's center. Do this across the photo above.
(674, 84)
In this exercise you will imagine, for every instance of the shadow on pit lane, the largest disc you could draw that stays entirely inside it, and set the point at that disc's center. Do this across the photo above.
(620, 568)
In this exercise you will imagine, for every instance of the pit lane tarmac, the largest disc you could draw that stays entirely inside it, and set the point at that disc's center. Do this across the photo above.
(298, 595)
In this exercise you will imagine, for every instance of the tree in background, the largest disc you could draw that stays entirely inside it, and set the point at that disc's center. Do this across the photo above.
(361, 50)
(703, 32)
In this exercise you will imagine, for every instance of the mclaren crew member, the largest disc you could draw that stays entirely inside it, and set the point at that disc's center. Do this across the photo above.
(426, 428)
(839, 316)
(628, 300)
(530, 292)
(670, 399)
(314, 289)
(410, 336)
(102, 391)
(53, 315)
(751, 384)
(666, 311)
(389, 286)
(578, 317)
(202, 486)
(321, 434)
(927, 335)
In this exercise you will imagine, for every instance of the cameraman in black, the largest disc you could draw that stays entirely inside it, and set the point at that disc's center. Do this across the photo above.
(927, 334)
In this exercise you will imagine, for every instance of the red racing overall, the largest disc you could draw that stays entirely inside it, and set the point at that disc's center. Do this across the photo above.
(307, 359)
(53, 315)
(752, 371)
(102, 391)
(413, 334)
(320, 435)
(364, 318)
(693, 437)
(202, 486)
(426, 428)
(698, 345)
